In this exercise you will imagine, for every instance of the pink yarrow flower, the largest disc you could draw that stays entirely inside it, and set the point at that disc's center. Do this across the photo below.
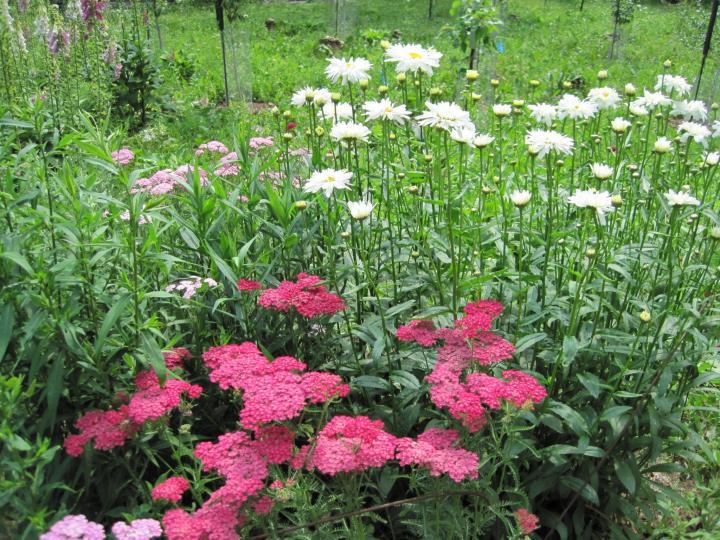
(437, 450)
(171, 489)
(153, 400)
(248, 285)
(228, 166)
(306, 296)
(526, 521)
(104, 429)
(190, 287)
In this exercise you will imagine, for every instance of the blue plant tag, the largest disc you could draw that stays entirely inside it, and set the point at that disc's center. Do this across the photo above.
(500, 47)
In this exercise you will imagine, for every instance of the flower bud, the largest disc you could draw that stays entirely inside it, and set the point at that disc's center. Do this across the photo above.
(495, 82)
(401, 175)
(301, 205)
(486, 190)
(385, 44)
(344, 235)
(320, 101)
(590, 253)
(715, 106)
(616, 200)
(534, 82)
(413, 189)
(567, 85)
(472, 75)
(382, 89)
(518, 103)
(630, 89)
(645, 316)
(336, 97)
(401, 78)
(475, 97)
(287, 114)
(667, 64)
(288, 136)
(602, 74)
(715, 233)
(363, 84)
(414, 254)
(428, 158)
(435, 91)
(392, 136)
(275, 111)
(319, 131)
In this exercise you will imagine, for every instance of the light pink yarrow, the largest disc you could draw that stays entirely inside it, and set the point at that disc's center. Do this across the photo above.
(123, 156)
(75, 527)
(139, 529)
(171, 489)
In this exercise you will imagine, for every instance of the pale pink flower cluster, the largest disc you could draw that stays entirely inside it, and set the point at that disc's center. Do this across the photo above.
(153, 400)
(123, 156)
(215, 147)
(261, 142)
(437, 450)
(228, 165)
(75, 527)
(138, 529)
(190, 287)
(166, 180)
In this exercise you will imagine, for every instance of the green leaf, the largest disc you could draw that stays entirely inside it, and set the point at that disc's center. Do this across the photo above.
(528, 341)
(18, 259)
(399, 308)
(404, 379)
(110, 320)
(570, 349)
(54, 389)
(625, 474)
(371, 381)
(154, 355)
(591, 382)
(7, 323)
(613, 412)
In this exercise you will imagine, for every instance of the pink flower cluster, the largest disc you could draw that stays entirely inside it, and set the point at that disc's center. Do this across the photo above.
(171, 489)
(526, 521)
(191, 286)
(175, 357)
(105, 429)
(228, 165)
(138, 529)
(306, 296)
(348, 444)
(141, 220)
(166, 180)
(152, 400)
(215, 147)
(75, 527)
(467, 396)
(123, 156)
(261, 142)
(111, 428)
(437, 450)
(248, 285)
(243, 463)
(272, 391)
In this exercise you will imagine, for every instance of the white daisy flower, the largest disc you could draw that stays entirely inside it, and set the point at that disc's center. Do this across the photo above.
(620, 125)
(385, 110)
(693, 130)
(673, 83)
(349, 131)
(328, 180)
(681, 198)
(572, 107)
(339, 111)
(413, 57)
(501, 109)
(601, 201)
(543, 113)
(444, 115)
(652, 100)
(348, 71)
(601, 171)
(541, 142)
(604, 97)
(463, 134)
(663, 145)
(712, 159)
(520, 198)
(360, 210)
(482, 140)
(308, 94)
(690, 110)
(638, 109)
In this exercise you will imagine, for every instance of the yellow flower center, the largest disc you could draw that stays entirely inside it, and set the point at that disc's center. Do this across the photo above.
(415, 55)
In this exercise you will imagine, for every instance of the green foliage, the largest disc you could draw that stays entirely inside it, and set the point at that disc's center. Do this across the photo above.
(476, 26)
(136, 86)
